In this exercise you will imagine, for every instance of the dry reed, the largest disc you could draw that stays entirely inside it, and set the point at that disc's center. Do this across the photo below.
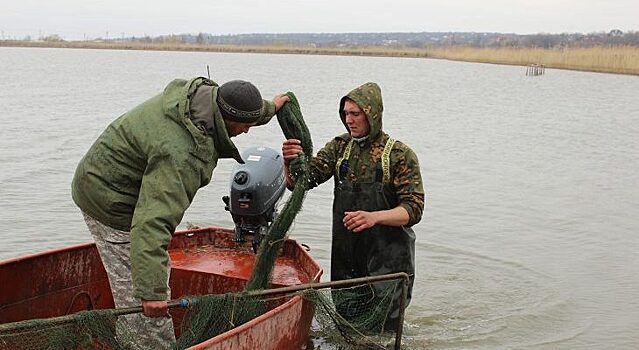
(616, 59)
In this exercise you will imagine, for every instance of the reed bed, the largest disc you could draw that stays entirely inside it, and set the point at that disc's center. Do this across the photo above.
(614, 59)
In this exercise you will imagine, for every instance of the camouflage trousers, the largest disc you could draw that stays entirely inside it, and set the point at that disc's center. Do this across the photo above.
(135, 331)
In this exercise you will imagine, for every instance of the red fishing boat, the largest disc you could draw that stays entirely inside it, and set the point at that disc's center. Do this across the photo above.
(204, 261)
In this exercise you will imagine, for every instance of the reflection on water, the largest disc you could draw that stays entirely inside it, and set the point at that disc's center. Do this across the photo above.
(529, 236)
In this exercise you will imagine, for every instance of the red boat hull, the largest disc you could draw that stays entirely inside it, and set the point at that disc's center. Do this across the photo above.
(204, 261)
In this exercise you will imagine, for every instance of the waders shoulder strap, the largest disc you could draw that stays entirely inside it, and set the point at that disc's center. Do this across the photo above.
(386, 159)
(344, 157)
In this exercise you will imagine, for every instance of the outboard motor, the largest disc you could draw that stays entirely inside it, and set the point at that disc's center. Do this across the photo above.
(256, 188)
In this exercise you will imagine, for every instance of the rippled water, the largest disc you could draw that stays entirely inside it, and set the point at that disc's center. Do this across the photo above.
(529, 239)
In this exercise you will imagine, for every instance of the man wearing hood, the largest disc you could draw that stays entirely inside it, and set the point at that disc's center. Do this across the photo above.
(141, 174)
(378, 196)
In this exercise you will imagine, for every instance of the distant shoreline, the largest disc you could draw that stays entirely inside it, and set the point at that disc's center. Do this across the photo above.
(615, 59)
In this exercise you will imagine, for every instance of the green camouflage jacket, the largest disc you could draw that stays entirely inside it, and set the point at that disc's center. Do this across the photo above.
(143, 171)
(404, 166)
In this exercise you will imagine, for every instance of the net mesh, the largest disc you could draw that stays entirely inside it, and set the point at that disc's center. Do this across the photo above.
(352, 318)
(345, 318)
(95, 329)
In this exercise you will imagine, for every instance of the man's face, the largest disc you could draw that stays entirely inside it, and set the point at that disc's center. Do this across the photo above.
(355, 119)
(236, 128)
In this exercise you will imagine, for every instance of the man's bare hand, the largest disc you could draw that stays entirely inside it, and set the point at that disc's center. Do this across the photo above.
(155, 308)
(358, 221)
(280, 100)
(291, 148)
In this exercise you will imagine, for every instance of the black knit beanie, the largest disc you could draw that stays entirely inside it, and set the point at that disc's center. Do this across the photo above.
(239, 101)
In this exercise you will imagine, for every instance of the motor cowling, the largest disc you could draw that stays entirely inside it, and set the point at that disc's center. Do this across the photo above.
(255, 189)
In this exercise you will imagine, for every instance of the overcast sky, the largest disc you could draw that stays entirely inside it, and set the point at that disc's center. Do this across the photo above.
(77, 19)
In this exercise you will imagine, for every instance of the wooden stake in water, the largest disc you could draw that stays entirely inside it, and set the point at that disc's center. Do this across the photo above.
(535, 70)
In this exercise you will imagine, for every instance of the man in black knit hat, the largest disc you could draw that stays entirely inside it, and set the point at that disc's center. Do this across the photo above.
(141, 174)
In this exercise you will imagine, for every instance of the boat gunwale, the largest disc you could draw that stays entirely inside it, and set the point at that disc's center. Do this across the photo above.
(52, 251)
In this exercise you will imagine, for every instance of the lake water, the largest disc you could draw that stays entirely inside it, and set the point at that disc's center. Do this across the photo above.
(530, 236)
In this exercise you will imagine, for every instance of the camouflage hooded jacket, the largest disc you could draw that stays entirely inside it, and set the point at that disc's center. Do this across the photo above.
(405, 175)
(143, 171)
